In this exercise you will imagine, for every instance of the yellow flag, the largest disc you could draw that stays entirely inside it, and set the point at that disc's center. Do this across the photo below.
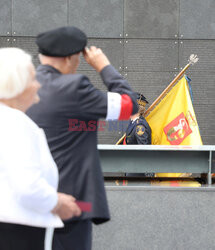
(173, 120)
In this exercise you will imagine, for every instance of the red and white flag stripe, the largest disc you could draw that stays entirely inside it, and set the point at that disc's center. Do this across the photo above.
(119, 107)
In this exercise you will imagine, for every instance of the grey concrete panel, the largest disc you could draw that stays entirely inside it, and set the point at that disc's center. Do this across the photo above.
(113, 130)
(98, 18)
(151, 19)
(109, 137)
(203, 86)
(31, 17)
(27, 44)
(197, 19)
(5, 17)
(111, 47)
(205, 49)
(151, 55)
(151, 84)
(158, 220)
(205, 115)
(208, 140)
(5, 42)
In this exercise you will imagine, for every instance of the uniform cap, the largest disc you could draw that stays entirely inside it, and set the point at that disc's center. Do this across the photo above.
(141, 100)
(61, 42)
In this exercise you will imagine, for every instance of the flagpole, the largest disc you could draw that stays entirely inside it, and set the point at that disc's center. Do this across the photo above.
(192, 60)
(121, 139)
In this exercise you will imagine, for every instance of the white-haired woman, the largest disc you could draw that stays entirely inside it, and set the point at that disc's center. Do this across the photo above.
(28, 174)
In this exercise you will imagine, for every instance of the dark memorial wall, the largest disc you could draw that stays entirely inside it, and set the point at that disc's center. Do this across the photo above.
(148, 41)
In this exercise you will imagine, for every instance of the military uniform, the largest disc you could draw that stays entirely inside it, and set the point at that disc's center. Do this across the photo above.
(138, 132)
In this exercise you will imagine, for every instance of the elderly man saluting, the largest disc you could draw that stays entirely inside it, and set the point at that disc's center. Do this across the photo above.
(67, 96)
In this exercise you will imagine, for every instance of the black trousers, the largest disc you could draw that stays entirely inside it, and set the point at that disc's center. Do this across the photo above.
(20, 237)
(76, 235)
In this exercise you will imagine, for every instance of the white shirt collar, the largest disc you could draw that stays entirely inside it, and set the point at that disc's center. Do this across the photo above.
(135, 119)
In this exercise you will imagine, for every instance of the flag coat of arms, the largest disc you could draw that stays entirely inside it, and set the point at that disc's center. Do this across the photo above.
(173, 120)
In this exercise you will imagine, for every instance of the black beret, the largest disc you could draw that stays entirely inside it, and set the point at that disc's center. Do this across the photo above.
(61, 42)
(141, 100)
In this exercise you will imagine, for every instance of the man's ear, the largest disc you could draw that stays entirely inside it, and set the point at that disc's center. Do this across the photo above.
(67, 59)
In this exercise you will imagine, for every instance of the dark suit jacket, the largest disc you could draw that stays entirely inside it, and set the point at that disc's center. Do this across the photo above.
(72, 97)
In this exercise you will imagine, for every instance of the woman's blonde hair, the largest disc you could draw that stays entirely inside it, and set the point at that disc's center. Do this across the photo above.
(14, 72)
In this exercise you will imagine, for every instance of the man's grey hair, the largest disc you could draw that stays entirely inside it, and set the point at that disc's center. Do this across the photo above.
(14, 72)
